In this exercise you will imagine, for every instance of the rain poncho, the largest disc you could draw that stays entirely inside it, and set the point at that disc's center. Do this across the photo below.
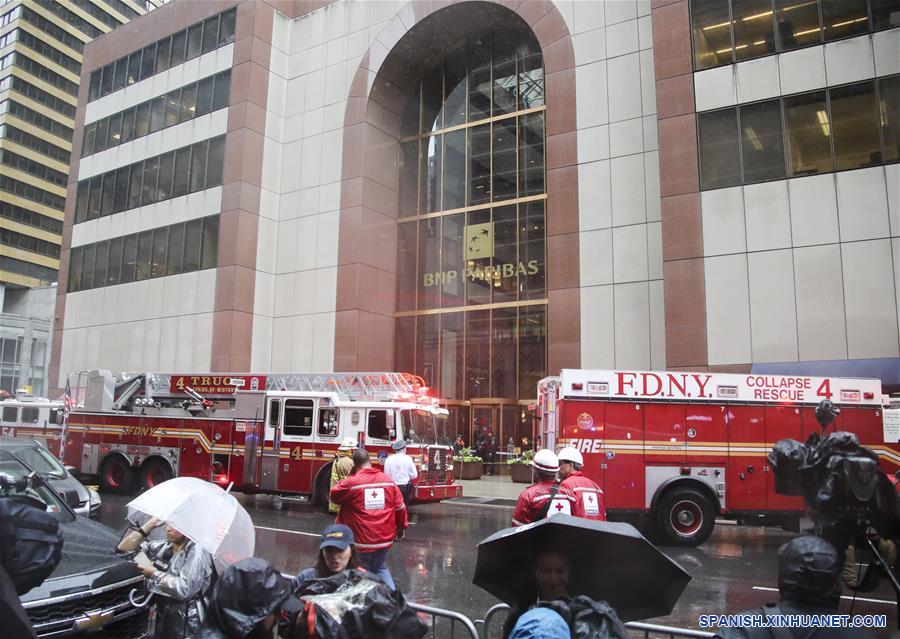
(586, 618)
(180, 610)
(540, 623)
(354, 604)
(245, 594)
(809, 582)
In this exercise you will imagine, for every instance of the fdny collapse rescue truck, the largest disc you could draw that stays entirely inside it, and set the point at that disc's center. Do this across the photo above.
(265, 433)
(685, 448)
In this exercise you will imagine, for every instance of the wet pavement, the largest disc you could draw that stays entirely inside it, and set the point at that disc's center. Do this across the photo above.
(735, 570)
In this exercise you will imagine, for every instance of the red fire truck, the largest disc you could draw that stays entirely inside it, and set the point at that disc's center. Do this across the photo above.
(34, 417)
(265, 433)
(684, 448)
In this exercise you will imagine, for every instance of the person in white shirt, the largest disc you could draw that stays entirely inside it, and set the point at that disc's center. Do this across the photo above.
(402, 469)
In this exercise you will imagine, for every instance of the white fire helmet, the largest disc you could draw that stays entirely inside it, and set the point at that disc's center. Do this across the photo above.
(545, 461)
(348, 443)
(570, 454)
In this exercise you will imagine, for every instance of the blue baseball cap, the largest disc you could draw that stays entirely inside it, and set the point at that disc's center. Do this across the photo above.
(336, 536)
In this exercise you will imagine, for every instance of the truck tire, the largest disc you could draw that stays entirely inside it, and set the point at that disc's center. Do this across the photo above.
(321, 486)
(153, 473)
(116, 475)
(684, 516)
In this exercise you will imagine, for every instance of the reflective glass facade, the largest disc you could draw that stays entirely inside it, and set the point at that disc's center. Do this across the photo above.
(471, 293)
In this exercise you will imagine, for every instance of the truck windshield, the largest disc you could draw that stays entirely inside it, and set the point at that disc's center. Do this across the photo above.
(424, 427)
(15, 480)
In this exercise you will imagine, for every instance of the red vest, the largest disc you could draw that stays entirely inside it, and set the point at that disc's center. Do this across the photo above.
(588, 497)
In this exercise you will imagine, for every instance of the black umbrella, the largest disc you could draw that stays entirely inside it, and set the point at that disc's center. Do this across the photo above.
(610, 561)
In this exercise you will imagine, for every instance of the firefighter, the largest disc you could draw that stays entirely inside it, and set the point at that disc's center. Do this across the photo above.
(341, 468)
(588, 496)
(372, 506)
(545, 497)
(402, 469)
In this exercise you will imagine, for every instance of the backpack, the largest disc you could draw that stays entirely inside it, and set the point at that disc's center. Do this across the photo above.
(30, 541)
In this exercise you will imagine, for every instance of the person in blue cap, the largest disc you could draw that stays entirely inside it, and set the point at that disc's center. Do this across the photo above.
(337, 552)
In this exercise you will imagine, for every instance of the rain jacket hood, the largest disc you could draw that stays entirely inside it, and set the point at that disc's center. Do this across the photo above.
(809, 572)
(245, 594)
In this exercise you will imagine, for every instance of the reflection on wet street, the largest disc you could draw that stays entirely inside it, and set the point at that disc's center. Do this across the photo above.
(734, 571)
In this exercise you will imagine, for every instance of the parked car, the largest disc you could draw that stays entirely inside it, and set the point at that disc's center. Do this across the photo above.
(88, 592)
(83, 500)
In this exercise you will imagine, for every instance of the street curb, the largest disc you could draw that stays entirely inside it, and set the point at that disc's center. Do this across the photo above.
(483, 501)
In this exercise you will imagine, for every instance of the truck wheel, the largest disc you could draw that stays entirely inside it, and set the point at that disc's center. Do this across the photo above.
(116, 475)
(153, 473)
(321, 486)
(685, 517)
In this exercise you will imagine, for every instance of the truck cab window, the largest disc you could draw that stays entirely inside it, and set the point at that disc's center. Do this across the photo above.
(30, 415)
(328, 422)
(9, 414)
(379, 426)
(274, 406)
(56, 416)
(298, 417)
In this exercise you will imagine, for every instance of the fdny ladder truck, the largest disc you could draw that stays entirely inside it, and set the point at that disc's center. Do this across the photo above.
(685, 448)
(274, 433)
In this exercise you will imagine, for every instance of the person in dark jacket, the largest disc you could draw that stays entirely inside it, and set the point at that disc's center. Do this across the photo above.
(246, 602)
(337, 552)
(809, 583)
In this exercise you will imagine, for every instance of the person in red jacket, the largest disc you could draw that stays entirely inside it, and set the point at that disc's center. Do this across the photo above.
(372, 506)
(588, 496)
(546, 497)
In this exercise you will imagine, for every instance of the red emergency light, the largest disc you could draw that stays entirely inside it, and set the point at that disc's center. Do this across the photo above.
(220, 479)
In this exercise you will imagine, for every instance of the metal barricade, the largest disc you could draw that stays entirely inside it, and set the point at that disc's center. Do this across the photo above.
(443, 624)
(636, 630)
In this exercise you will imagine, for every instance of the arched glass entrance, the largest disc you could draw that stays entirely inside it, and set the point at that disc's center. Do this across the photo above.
(471, 300)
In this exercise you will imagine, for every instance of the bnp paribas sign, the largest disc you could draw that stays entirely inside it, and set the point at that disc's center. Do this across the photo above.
(479, 240)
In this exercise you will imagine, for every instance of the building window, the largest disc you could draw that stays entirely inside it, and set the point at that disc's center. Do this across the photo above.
(726, 31)
(196, 167)
(168, 250)
(841, 128)
(471, 241)
(164, 54)
(159, 113)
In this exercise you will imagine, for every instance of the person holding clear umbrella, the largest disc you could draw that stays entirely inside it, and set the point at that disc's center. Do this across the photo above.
(178, 570)
(207, 531)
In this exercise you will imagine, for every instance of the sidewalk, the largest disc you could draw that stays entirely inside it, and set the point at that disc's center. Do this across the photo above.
(491, 489)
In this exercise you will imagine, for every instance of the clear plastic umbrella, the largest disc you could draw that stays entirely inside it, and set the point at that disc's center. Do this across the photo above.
(204, 513)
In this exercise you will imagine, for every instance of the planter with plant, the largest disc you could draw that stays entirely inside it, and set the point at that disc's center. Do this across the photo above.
(520, 467)
(469, 464)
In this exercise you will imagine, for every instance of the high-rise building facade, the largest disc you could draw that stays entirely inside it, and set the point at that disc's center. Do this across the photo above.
(41, 48)
(484, 192)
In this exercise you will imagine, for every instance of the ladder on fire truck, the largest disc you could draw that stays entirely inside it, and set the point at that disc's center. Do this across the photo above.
(353, 385)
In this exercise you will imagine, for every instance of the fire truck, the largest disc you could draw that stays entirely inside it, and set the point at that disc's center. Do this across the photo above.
(26, 415)
(681, 449)
(263, 433)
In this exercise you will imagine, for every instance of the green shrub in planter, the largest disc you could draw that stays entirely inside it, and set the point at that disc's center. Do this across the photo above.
(469, 464)
(520, 467)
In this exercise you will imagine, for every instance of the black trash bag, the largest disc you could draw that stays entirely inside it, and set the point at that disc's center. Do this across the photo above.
(786, 458)
(244, 595)
(588, 619)
(355, 604)
(30, 541)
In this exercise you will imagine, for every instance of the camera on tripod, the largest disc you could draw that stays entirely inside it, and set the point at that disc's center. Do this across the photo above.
(840, 481)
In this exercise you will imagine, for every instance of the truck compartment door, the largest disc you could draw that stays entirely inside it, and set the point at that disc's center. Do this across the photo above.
(781, 422)
(664, 433)
(271, 447)
(746, 479)
(623, 476)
